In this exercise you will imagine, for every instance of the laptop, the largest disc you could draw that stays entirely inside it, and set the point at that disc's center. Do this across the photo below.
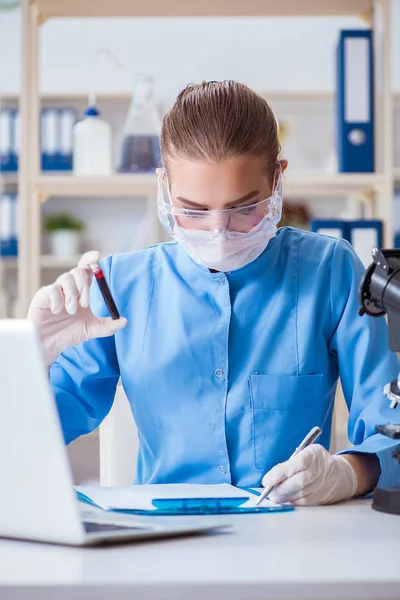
(37, 499)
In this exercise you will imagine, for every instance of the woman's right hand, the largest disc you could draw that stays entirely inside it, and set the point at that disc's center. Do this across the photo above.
(62, 311)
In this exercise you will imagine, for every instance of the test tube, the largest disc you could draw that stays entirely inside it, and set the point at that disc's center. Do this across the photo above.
(105, 291)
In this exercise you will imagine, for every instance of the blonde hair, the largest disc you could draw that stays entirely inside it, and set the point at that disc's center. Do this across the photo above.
(220, 119)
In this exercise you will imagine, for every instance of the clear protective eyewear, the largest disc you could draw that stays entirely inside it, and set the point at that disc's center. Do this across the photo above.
(221, 223)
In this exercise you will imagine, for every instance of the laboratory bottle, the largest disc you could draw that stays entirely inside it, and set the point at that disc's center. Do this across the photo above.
(92, 145)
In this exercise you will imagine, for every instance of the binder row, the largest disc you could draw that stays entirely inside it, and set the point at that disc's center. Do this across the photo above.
(363, 235)
(56, 138)
(8, 224)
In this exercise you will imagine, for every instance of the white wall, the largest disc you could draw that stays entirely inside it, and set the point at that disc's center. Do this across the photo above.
(275, 53)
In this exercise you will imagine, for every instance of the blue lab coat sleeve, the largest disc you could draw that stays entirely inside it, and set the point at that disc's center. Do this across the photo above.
(84, 378)
(365, 365)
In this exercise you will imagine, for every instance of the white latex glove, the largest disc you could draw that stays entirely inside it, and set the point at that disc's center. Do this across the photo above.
(62, 314)
(313, 476)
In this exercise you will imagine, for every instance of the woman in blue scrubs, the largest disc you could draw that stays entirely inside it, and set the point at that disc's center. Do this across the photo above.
(234, 333)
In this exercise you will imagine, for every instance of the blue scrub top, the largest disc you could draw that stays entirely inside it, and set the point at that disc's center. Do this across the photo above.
(226, 373)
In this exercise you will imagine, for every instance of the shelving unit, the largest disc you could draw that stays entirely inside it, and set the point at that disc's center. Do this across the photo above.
(35, 188)
(297, 183)
(12, 99)
(313, 184)
(115, 185)
(205, 8)
(47, 261)
(7, 179)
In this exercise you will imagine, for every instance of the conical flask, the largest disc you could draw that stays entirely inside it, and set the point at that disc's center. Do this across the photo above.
(141, 141)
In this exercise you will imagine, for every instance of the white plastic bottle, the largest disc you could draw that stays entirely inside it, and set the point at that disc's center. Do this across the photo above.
(92, 145)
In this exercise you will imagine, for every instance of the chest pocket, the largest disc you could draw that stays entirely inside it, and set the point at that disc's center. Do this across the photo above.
(284, 409)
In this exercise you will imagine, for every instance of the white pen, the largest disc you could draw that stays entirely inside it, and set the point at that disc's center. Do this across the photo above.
(308, 440)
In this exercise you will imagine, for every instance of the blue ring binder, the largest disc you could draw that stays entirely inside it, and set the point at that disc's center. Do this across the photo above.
(355, 102)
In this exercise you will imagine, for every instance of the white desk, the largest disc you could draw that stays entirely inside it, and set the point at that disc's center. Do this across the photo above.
(346, 551)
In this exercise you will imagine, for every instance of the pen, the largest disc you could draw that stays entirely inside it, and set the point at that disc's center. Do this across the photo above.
(308, 440)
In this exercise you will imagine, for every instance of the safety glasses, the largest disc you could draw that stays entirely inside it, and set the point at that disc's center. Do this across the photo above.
(241, 219)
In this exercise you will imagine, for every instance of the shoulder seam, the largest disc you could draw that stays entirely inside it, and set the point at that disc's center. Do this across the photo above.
(330, 286)
(153, 277)
(297, 305)
(168, 243)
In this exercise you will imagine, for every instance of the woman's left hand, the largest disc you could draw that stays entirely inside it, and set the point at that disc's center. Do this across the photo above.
(313, 476)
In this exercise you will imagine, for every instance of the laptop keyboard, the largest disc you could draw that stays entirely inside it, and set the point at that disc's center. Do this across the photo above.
(92, 527)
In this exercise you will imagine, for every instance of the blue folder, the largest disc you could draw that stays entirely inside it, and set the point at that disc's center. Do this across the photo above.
(8, 141)
(363, 234)
(8, 225)
(333, 227)
(368, 224)
(355, 101)
(197, 506)
(56, 138)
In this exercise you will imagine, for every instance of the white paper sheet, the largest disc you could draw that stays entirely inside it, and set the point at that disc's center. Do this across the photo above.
(139, 497)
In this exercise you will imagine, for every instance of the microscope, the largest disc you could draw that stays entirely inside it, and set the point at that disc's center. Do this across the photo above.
(380, 295)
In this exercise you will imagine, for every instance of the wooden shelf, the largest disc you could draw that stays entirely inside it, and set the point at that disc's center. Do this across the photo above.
(8, 262)
(196, 8)
(8, 178)
(312, 184)
(108, 186)
(47, 261)
(308, 183)
(125, 96)
(68, 96)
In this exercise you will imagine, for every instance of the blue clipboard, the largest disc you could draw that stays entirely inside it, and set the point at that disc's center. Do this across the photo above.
(197, 506)
(210, 506)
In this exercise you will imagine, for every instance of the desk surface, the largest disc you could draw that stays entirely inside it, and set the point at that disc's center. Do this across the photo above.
(345, 551)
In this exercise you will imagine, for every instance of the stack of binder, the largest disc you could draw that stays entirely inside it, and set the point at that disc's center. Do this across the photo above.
(56, 138)
(8, 224)
(363, 235)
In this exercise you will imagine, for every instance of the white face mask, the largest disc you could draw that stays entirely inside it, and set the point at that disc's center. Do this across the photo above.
(227, 254)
